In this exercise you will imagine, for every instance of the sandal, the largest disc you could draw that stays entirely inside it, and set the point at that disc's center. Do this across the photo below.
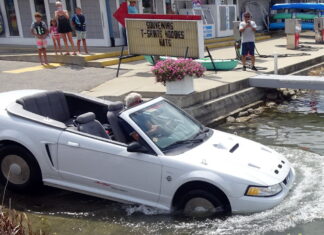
(67, 53)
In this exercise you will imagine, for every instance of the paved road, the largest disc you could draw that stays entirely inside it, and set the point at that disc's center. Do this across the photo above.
(26, 75)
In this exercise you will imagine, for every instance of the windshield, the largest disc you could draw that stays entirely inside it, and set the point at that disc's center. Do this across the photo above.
(166, 125)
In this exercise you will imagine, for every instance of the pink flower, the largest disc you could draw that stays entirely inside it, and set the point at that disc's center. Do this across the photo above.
(172, 70)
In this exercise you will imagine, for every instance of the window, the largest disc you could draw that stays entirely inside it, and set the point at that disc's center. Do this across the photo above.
(148, 6)
(70, 6)
(169, 7)
(40, 7)
(11, 17)
(165, 124)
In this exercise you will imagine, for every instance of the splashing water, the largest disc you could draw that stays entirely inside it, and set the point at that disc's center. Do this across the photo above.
(304, 203)
(132, 209)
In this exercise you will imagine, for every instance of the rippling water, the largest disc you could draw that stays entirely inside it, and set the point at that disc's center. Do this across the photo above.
(299, 124)
(295, 130)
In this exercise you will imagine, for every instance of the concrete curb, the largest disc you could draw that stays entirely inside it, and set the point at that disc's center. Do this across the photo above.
(90, 60)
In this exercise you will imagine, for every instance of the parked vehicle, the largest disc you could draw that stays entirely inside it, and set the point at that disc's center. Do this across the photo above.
(78, 143)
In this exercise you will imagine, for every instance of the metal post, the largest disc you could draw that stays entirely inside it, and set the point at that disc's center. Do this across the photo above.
(119, 61)
(211, 59)
(152, 57)
(186, 54)
(275, 57)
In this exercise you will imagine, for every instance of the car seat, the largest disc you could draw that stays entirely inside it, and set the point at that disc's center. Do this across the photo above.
(87, 123)
(112, 115)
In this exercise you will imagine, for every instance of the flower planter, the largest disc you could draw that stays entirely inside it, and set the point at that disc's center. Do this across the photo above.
(177, 75)
(180, 87)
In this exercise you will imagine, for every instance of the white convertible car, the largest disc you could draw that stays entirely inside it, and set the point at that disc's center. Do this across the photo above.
(84, 144)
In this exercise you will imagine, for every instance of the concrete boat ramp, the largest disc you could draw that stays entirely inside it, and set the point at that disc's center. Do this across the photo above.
(216, 95)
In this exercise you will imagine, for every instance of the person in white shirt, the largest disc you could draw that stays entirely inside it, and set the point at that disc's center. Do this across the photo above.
(248, 28)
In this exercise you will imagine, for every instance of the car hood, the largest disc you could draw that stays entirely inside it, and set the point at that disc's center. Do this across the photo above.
(240, 159)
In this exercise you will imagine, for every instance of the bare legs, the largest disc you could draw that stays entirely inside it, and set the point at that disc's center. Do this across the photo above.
(63, 35)
(84, 43)
(57, 45)
(68, 37)
(45, 55)
(42, 56)
(244, 60)
(78, 44)
(253, 60)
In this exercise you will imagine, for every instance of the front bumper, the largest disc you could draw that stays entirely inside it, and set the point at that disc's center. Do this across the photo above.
(247, 204)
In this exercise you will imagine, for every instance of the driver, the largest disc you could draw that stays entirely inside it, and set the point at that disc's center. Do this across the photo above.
(144, 122)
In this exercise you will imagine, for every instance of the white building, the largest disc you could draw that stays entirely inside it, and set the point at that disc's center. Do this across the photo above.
(102, 28)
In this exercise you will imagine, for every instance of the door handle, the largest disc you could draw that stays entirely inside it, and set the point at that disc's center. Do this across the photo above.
(73, 144)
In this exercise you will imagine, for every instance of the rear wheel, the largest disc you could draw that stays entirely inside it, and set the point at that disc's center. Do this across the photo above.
(18, 168)
(201, 203)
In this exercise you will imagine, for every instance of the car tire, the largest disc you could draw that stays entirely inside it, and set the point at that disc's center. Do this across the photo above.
(199, 203)
(21, 167)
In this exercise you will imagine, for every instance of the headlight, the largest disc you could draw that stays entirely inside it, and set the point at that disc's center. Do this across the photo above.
(263, 191)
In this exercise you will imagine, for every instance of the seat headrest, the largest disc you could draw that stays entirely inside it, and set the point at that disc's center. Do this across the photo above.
(85, 118)
(116, 106)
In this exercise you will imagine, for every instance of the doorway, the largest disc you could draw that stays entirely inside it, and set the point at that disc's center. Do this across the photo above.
(11, 17)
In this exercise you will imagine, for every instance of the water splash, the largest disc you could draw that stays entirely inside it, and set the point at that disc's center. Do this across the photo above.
(305, 203)
(146, 210)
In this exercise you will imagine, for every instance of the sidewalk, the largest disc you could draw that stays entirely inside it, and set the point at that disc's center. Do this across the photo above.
(31, 49)
(138, 77)
(29, 54)
(98, 57)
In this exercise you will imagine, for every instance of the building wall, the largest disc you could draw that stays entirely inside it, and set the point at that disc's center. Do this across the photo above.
(26, 17)
(115, 25)
(52, 9)
(92, 13)
(259, 10)
(160, 7)
(3, 17)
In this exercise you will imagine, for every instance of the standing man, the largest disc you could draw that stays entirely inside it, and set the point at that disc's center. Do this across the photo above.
(248, 28)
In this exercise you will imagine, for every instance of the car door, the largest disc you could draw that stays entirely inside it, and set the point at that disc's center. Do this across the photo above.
(107, 168)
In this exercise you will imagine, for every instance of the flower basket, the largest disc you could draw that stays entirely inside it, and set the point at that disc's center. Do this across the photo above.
(177, 74)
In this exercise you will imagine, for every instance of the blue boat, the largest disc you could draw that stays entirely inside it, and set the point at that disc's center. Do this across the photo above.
(281, 25)
(302, 6)
(313, 10)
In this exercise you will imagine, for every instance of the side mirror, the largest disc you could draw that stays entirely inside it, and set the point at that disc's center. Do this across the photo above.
(136, 147)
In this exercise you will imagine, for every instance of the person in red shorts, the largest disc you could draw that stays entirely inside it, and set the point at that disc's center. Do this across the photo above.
(40, 31)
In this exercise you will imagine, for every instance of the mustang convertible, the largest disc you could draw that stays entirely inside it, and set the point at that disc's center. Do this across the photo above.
(173, 163)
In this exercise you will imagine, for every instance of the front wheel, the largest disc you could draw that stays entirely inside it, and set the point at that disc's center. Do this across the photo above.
(201, 203)
(18, 168)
